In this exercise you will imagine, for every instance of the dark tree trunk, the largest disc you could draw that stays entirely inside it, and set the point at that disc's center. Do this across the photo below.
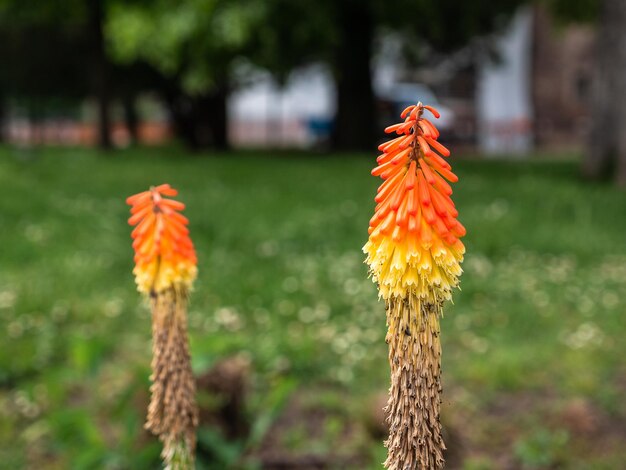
(620, 97)
(131, 117)
(606, 154)
(179, 110)
(2, 119)
(101, 73)
(218, 118)
(355, 121)
(201, 121)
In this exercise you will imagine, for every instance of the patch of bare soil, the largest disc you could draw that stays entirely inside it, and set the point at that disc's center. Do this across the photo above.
(310, 435)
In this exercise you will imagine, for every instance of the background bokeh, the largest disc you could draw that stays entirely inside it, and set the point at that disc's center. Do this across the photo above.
(265, 115)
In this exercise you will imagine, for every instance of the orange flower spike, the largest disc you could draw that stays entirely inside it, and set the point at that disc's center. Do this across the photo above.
(433, 130)
(403, 214)
(397, 196)
(426, 232)
(374, 221)
(422, 188)
(447, 174)
(398, 233)
(141, 206)
(443, 205)
(388, 223)
(436, 162)
(139, 199)
(402, 156)
(139, 214)
(383, 208)
(165, 268)
(174, 205)
(458, 230)
(411, 177)
(166, 190)
(433, 111)
(414, 255)
(450, 239)
(438, 147)
(428, 173)
(406, 127)
(387, 146)
(440, 228)
(442, 185)
(164, 254)
(413, 200)
(423, 145)
(408, 140)
(392, 171)
(394, 128)
(429, 214)
(407, 110)
(413, 224)
(387, 187)
(383, 158)
(379, 170)
(426, 131)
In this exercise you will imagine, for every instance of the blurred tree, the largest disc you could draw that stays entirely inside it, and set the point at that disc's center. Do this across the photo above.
(356, 113)
(343, 33)
(606, 155)
(574, 10)
(46, 46)
(128, 81)
(2, 116)
(606, 152)
(38, 71)
(192, 44)
(288, 34)
(100, 69)
(55, 53)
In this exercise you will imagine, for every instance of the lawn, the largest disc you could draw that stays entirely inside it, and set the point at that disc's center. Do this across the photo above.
(534, 372)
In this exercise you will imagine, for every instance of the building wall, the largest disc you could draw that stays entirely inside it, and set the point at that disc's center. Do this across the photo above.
(562, 68)
(504, 91)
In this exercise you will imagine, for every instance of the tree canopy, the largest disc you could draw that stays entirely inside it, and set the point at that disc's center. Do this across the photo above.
(189, 48)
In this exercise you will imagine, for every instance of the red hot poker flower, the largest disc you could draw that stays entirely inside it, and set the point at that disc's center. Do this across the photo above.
(165, 268)
(164, 254)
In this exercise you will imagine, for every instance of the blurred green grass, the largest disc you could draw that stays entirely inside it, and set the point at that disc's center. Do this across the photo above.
(537, 328)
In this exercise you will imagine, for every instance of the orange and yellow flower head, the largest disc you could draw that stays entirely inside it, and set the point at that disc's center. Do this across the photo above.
(414, 244)
(164, 254)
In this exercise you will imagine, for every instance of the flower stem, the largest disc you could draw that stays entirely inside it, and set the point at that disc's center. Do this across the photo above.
(172, 413)
(415, 440)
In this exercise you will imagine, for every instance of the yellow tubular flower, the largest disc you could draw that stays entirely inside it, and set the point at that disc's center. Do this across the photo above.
(414, 254)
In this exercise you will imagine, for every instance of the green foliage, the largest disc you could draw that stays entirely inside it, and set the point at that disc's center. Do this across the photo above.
(20, 13)
(445, 25)
(43, 49)
(193, 40)
(292, 34)
(478, 464)
(575, 10)
(542, 449)
(282, 281)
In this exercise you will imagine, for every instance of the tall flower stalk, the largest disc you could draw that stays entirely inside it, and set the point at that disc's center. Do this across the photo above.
(414, 253)
(165, 268)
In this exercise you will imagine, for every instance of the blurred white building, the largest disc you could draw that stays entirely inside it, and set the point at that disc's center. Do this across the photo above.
(532, 92)
(263, 115)
(504, 91)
